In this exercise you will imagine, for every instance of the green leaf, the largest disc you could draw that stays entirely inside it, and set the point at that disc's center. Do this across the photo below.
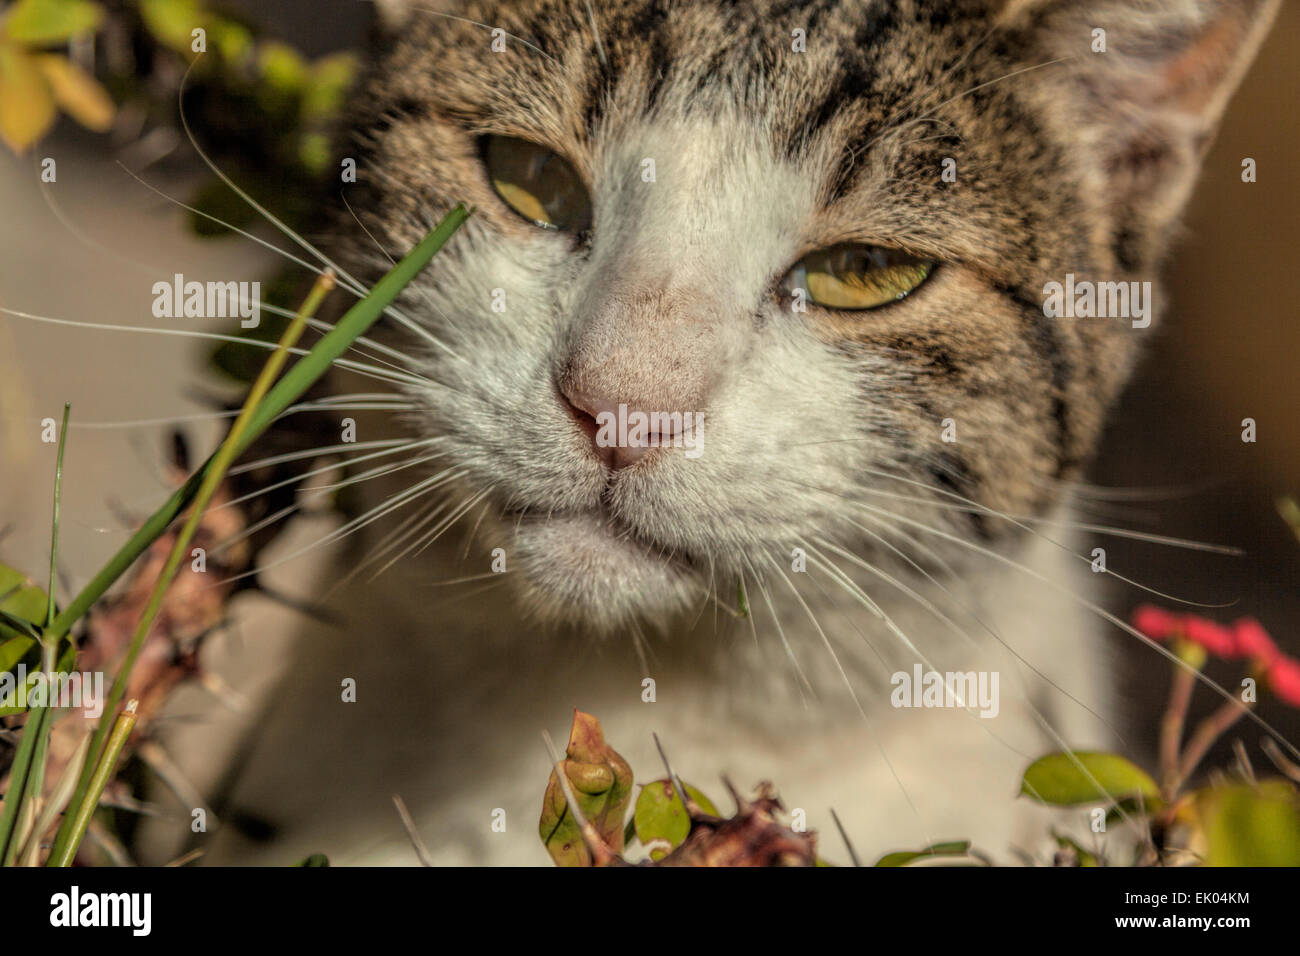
(660, 815)
(331, 78)
(27, 109)
(19, 598)
(283, 69)
(314, 152)
(601, 781)
(41, 22)
(9, 704)
(316, 859)
(172, 21)
(23, 627)
(1067, 779)
(1250, 826)
(904, 857)
(14, 650)
(232, 40)
(78, 93)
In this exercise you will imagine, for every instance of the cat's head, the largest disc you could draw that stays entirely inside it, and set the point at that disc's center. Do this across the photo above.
(822, 229)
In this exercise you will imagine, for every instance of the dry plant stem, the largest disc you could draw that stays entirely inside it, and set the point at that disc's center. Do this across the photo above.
(1274, 753)
(122, 727)
(421, 851)
(1171, 729)
(212, 478)
(1207, 732)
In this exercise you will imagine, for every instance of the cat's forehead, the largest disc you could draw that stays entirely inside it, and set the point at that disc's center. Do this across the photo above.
(569, 69)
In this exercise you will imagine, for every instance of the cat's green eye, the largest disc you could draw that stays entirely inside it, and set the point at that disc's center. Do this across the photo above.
(537, 183)
(853, 276)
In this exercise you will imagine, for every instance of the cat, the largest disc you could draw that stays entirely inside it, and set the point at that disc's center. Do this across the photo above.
(825, 228)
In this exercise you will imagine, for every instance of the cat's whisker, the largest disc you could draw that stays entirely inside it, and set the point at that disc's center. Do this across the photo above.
(1022, 696)
(307, 495)
(854, 589)
(986, 84)
(378, 472)
(346, 285)
(387, 506)
(486, 26)
(473, 531)
(467, 579)
(87, 240)
(985, 509)
(1098, 611)
(231, 413)
(639, 645)
(830, 648)
(414, 286)
(971, 506)
(395, 539)
(821, 633)
(929, 606)
(427, 540)
(1083, 489)
(316, 453)
(314, 323)
(981, 508)
(595, 33)
(344, 277)
(384, 375)
(332, 466)
(804, 684)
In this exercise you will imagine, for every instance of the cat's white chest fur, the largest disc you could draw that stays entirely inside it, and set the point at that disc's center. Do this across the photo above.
(453, 694)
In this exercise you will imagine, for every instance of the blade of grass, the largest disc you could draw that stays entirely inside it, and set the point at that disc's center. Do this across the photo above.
(33, 732)
(212, 477)
(122, 727)
(20, 800)
(304, 373)
(54, 535)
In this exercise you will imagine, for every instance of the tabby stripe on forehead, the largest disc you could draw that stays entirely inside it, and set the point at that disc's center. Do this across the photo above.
(855, 76)
(646, 26)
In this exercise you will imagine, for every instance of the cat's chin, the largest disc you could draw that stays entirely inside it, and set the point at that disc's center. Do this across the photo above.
(582, 571)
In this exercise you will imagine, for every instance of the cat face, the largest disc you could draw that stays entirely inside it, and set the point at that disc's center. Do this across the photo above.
(820, 233)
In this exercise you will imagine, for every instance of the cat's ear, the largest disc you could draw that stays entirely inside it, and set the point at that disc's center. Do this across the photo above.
(1142, 85)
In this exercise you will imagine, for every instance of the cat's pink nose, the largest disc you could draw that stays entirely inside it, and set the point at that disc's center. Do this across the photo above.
(641, 368)
(620, 434)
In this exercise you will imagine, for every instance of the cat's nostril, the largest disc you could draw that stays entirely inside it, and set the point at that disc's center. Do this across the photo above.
(605, 425)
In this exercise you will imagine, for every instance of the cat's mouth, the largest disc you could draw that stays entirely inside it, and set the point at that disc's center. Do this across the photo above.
(588, 567)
